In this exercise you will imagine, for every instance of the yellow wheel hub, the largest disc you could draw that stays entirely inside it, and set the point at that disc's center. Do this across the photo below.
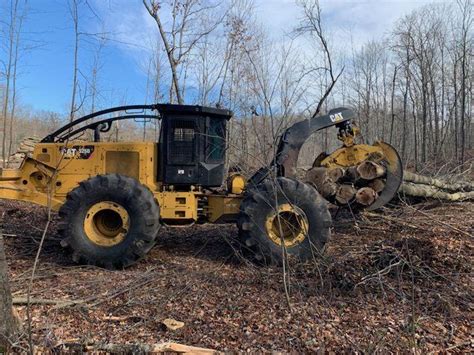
(106, 223)
(288, 224)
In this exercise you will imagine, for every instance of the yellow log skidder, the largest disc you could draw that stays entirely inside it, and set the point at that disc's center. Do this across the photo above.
(112, 197)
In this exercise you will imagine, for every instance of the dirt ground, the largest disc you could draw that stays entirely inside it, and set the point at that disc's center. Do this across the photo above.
(398, 281)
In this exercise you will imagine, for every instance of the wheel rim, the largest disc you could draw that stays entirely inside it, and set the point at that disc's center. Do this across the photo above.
(288, 224)
(106, 223)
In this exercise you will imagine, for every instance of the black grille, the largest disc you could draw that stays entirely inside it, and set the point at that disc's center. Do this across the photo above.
(182, 150)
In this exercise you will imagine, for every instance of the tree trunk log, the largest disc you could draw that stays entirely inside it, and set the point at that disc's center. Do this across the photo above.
(345, 194)
(368, 178)
(8, 323)
(335, 174)
(352, 174)
(421, 190)
(378, 185)
(366, 196)
(162, 348)
(426, 180)
(368, 170)
(319, 178)
(43, 301)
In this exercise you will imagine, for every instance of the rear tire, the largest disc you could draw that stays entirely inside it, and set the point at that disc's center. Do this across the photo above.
(268, 209)
(109, 221)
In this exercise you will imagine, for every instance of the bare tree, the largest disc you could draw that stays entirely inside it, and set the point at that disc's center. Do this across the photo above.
(17, 12)
(74, 12)
(465, 7)
(183, 35)
(89, 88)
(96, 67)
(312, 24)
(21, 19)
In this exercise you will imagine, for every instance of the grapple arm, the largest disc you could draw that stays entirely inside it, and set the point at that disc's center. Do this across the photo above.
(294, 137)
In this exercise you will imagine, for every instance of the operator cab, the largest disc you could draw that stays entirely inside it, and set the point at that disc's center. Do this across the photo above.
(191, 148)
(192, 145)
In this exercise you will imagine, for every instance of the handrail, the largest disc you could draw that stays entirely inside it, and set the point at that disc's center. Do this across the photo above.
(163, 109)
(107, 121)
(51, 137)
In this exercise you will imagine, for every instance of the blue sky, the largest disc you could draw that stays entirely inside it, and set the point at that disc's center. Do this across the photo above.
(46, 70)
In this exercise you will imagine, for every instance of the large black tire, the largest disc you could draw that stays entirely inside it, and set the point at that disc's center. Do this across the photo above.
(259, 206)
(135, 240)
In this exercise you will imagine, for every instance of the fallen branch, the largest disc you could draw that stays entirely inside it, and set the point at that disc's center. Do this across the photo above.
(394, 220)
(379, 273)
(43, 301)
(437, 220)
(162, 348)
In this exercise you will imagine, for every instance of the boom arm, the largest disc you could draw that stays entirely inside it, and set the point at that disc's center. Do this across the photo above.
(293, 139)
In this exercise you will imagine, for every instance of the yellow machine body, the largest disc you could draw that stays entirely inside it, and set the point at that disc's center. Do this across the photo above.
(184, 171)
(353, 155)
(55, 169)
(236, 183)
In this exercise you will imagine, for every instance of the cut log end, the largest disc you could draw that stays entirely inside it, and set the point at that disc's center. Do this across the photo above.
(345, 194)
(351, 174)
(335, 174)
(378, 185)
(328, 190)
(317, 176)
(369, 170)
(366, 196)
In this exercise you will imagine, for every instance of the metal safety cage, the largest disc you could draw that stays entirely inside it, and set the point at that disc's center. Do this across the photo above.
(101, 123)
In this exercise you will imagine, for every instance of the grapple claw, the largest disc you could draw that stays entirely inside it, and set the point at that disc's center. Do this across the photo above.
(394, 167)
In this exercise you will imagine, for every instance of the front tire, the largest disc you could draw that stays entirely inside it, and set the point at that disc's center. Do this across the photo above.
(283, 214)
(110, 221)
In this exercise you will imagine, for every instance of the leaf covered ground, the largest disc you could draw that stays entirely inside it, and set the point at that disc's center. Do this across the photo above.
(400, 280)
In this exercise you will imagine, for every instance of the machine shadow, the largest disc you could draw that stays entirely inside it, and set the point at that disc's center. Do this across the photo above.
(216, 243)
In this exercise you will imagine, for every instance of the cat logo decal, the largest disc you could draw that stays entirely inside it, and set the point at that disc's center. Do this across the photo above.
(336, 117)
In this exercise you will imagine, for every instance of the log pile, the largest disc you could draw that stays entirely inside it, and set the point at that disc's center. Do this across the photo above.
(359, 185)
(425, 186)
(25, 148)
